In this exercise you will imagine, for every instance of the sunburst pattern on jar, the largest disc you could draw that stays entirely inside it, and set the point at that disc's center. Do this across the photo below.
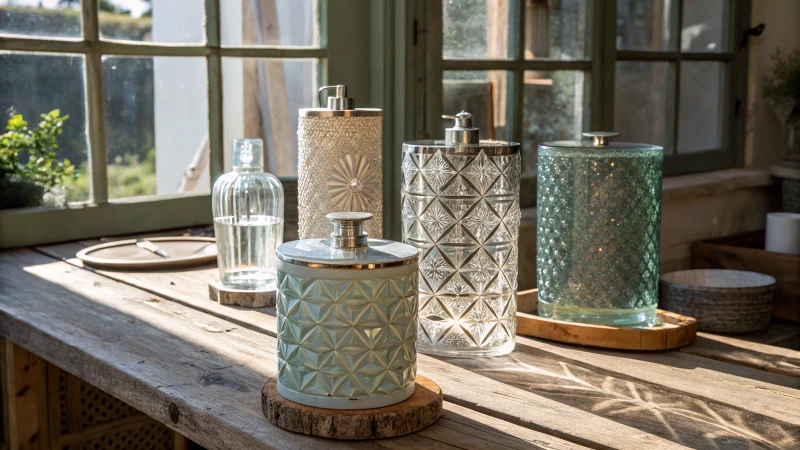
(353, 183)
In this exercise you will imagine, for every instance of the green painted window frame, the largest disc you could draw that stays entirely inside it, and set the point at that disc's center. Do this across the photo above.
(101, 216)
(601, 65)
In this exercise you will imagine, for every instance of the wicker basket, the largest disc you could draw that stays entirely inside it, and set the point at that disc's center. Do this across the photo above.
(724, 301)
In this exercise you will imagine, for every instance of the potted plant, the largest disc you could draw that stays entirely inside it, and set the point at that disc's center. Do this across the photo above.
(782, 94)
(28, 165)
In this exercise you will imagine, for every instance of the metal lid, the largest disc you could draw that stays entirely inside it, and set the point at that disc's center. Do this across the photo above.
(600, 140)
(339, 105)
(348, 247)
(463, 139)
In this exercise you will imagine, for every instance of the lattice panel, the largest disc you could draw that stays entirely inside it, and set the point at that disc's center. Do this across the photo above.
(97, 407)
(79, 411)
(150, 435)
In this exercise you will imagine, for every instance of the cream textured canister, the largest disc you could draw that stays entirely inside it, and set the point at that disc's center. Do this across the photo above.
(339, 168)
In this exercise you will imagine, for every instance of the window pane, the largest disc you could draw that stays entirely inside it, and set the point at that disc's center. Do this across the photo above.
(702, 27)
(52, 19)
(168, 21)
(272, 22)
(646, 25)
(156, 125)
(35, 84)
(556, 29)
(483, 93)
(477, 29)
(261, 99)
(700, 118)
(556, 108)
(641, 92)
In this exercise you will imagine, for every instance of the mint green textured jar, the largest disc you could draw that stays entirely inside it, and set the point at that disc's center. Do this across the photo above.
(599, 216)
(347, 318)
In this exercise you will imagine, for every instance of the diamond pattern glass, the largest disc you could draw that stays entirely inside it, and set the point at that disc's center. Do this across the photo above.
(344, 339)
(599, 213)
(462, 212)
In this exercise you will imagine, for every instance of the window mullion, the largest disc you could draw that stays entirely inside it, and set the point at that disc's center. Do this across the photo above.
(604, 64)
(672, 126)
(95, 116)
(216, 154)
(518, 94)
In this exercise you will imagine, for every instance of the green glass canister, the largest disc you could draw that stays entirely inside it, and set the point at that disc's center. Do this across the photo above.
(599, 219)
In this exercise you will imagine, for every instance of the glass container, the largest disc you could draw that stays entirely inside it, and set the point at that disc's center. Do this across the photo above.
(599, 215)
(248, 220)
(347, 318)
(460, 209)
(339, 164)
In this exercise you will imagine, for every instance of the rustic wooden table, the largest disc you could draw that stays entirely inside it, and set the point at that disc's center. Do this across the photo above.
(155, 341)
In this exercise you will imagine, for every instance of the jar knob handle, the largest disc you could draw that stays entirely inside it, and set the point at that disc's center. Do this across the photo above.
(463, 132)
(337, 102)
(601, 138)
(348, 229)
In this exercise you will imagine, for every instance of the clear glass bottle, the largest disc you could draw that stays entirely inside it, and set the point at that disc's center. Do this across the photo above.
(460, 208)
(347, 318)
(248, 220)
(599, 216)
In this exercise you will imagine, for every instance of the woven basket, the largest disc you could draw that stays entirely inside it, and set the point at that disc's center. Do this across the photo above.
(723, 301)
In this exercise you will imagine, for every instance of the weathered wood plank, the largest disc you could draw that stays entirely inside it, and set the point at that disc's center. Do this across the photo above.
(691, 381)
(198, 374)
(752, 354)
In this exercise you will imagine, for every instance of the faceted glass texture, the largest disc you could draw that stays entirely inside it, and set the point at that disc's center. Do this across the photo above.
(462, 212)
(599, 215)
(347, 339)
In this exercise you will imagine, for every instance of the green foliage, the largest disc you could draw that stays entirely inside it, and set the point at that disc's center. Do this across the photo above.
(28, 154)
(785, 79)
(127, 177)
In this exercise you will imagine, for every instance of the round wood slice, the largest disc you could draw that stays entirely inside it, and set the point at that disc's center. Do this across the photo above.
(248, 299)
(416, 413)
(676, 331)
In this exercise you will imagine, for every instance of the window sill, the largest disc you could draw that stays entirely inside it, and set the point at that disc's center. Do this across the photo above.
(703, 184)
(713, 183)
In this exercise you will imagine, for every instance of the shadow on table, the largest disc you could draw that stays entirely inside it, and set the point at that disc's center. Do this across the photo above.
(643, 404)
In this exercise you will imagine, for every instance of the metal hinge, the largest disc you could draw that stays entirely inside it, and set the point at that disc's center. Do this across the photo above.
(754, 31)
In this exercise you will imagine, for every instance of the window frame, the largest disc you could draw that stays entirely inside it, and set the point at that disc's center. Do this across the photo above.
(100, 215)
(600, 66)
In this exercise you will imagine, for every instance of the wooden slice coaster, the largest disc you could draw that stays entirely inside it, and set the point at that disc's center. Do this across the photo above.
(676, 331)
(240, 297)
(416, 413)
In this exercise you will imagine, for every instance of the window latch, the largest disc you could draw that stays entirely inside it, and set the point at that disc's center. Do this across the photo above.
(754, 31)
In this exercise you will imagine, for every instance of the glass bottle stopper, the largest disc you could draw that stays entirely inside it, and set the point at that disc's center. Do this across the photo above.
(601, 138)
(340, 101)
(348, 229)
(248, 153)
(463, 133)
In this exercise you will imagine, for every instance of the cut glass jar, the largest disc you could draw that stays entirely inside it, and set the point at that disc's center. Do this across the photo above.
(599, 215)
(347, 318)
(460, 208)
(248, 220)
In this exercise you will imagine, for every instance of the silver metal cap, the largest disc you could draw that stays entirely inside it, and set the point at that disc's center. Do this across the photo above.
(601, 138)
(339, 105)
(463, 133)
(340, 101)
(348, 229)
